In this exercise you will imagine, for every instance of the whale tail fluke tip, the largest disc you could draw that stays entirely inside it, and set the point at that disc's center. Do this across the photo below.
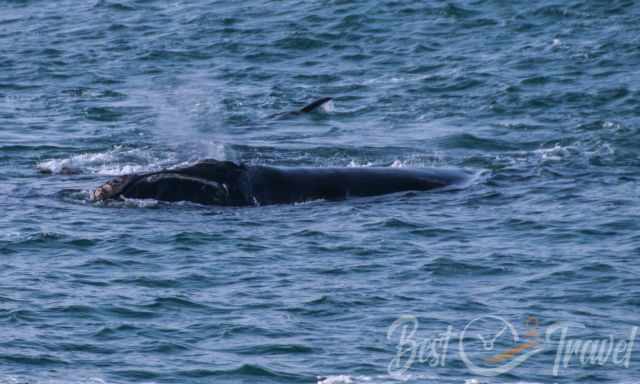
(325, 103)
(316, 104)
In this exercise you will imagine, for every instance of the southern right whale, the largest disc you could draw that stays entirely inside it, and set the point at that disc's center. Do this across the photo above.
(214, 182)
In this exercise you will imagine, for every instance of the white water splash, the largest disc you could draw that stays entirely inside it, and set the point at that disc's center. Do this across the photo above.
(378, 379)
(73, 164)
(117, 161)
(339, 379)
(556, 153)
(356, 164)
(398, 164)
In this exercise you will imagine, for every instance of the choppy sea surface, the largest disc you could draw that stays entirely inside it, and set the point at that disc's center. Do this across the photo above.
(540, 100)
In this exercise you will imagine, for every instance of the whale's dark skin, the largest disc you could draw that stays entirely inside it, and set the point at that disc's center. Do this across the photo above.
(306, 109)
(225, 183)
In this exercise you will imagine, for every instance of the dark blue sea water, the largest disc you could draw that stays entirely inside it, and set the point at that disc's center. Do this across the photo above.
(539, 100)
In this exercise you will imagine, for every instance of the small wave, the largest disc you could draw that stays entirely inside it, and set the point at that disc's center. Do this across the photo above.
(394, 223)
(300, 42)
(35, 148)
(114, 6)
(446, 267)
(247, 371)
(469, 141)
(272, 349)
(173, 302)
(105, 114)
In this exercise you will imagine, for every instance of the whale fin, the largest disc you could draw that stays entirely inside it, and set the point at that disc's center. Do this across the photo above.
(316, 104)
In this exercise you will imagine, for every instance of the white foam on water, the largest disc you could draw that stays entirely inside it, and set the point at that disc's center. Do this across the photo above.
(583, 150)
(408, 378)
(611, 125)
(307, 202)
(377, 379)
(356, 164)
(398, 163)
(339, 379)
(140, 203)
(556, 153)
(392, 80)
(537, 157)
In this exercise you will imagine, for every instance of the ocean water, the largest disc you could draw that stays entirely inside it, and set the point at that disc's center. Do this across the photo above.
(539, 100)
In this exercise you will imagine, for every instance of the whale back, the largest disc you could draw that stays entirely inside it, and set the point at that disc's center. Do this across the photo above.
(276, 185)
